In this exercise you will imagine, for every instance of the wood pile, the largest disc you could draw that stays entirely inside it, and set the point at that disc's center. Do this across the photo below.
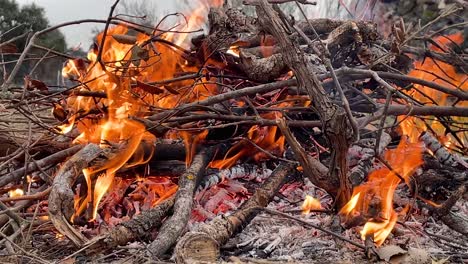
(204, 147)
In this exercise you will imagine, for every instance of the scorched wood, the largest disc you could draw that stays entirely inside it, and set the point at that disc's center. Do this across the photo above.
(203, 244)
(335, 122)
(174, 226)
(61, 195)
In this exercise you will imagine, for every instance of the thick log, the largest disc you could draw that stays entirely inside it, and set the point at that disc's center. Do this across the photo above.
(203, 244)
(169, 150)
(174, 226)
(61, 195)
(457, 222)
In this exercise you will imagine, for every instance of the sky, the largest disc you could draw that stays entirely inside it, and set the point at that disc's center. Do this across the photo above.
(59, 11)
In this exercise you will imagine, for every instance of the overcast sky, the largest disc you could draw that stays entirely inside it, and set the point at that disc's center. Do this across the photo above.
(59, 11)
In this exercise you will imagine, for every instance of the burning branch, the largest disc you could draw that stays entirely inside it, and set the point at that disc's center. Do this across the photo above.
(173, 227)
(61, 195)
(150, 109)
(333, 117)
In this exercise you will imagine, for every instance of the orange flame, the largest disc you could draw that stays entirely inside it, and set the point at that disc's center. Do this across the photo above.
(444, 74)
(124, 79)
(260, 141)
(234, 51)
(310, 203)
(16, 192)
(66, 128)
(195, 20)
(374, 199)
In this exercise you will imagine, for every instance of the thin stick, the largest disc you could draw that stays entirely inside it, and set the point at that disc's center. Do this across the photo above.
(35, 196)
(38, 259)
(278, 213)
(101, 47)
(382, 123)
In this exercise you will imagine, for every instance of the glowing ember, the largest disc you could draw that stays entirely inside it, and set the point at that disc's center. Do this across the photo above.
(16, 193)
(310, 203)
(374, 199)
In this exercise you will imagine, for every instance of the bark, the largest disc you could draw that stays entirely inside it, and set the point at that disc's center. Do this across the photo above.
(51, 160)
(175, 225)
(333, 117)
(138, 228)
(262, 69)
(313, 169)
(456, 221)
(61, 196)
(203, 244)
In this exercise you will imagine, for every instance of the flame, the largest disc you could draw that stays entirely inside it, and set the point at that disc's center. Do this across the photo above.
(266, 138)
(352, 203)
(71, 70)
(196, 19)
(374, 199)
(127, 69)
(310, 203)
(259, 140)
(66, 128)
(191, 141)
(16, 192)
(234, 51)
(444, 74)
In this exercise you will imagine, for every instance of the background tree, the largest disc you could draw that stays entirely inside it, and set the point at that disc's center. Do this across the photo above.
(16, 21)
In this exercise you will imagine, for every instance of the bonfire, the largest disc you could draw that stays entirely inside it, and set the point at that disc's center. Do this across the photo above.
(266, 136)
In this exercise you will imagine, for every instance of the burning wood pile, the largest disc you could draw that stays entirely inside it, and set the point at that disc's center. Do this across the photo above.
(266, 137)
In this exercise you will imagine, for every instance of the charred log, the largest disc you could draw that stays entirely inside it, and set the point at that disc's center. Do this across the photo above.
(61, 196)
(203, 244)
(139, 228)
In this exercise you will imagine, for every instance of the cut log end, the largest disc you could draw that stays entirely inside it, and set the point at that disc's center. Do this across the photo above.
(197, 247)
